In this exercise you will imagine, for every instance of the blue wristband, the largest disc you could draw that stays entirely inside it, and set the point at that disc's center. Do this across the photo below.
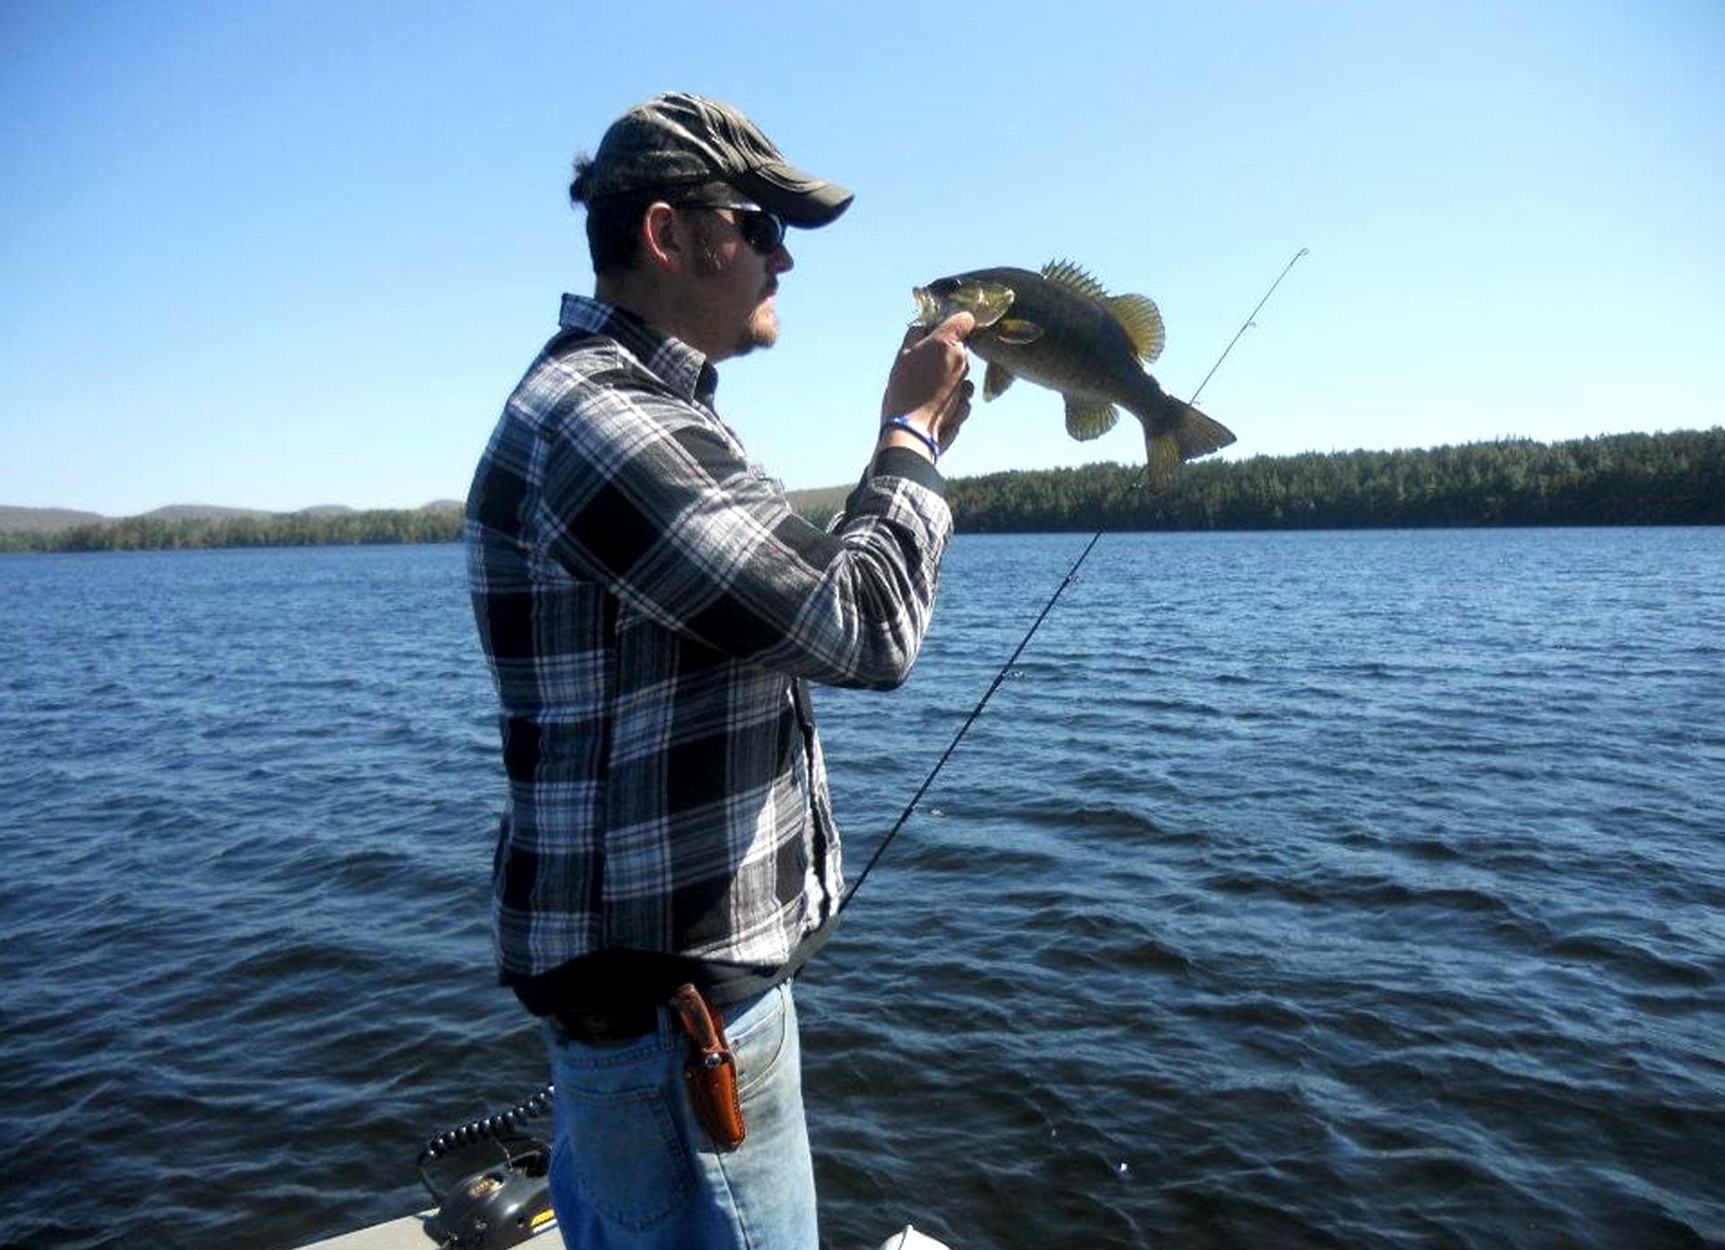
(910, 427)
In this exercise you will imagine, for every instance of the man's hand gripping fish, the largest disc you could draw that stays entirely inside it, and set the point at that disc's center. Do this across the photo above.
(1062, 330)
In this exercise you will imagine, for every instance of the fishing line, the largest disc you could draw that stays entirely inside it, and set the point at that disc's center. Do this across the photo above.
(1250, 321)
(1005, 669)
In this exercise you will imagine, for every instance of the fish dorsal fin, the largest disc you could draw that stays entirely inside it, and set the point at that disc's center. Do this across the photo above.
(1075, 279)
(1137, 314)
(996, 380)
(1089, 418)
(1142, 321)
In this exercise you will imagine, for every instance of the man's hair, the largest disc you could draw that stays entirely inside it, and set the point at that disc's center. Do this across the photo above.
(614, 221)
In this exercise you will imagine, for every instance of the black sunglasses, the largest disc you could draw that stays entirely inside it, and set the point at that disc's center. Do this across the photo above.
(762, 230)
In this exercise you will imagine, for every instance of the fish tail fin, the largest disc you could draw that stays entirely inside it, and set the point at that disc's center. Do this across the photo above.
(1162, 453)
(1197, 434)
(1179, 432)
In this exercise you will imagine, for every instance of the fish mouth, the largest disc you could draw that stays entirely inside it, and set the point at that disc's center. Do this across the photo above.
(988, 302)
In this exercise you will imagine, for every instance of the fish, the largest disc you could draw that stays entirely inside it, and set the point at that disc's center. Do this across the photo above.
(1061, 329)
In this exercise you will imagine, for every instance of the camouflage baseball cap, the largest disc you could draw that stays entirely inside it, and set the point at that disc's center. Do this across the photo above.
(678, 139)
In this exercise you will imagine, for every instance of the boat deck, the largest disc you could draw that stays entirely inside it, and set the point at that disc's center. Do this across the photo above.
(408, 1233)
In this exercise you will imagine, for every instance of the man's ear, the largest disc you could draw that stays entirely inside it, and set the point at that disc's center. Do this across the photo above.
(662, 239)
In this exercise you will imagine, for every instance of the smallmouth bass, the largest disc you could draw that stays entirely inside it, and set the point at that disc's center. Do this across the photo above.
(1061, 329)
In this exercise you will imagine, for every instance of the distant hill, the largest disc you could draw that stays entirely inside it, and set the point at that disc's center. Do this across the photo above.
(199, 512)
(814, 504)
(43, 520)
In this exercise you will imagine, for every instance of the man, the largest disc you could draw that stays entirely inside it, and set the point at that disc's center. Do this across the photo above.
(651, 610)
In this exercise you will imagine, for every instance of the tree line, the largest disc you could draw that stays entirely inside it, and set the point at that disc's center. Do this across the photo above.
(1622, 479)
(293, 529)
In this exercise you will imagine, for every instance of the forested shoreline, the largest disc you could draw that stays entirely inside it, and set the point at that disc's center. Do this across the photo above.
(292, 529)
(1625, 479)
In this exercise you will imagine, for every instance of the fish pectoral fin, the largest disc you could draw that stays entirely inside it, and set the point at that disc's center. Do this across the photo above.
(1089, 418)
(995, 381)
(1016, 331)
(1142, 321)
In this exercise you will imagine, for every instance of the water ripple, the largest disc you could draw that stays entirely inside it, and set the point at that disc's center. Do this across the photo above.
(1385, 910)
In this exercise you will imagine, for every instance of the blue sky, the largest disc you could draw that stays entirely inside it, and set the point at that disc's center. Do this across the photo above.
(277, 254)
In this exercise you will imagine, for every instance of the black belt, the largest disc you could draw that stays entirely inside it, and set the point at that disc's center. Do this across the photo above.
(605, 1028)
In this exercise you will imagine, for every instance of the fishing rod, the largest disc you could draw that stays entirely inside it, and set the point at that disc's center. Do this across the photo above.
(1071, 576)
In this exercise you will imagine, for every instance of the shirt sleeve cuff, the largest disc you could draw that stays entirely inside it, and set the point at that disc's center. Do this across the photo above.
(903, 462)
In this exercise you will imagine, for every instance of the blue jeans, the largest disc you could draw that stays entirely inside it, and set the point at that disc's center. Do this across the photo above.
(631, 1166)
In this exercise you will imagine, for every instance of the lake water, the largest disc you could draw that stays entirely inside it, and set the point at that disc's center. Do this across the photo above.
(1295, 890)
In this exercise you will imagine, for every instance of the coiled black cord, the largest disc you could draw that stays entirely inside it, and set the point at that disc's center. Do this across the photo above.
(504, 1124)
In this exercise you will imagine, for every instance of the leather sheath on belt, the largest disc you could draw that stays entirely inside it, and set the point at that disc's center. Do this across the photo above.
(710, 1072)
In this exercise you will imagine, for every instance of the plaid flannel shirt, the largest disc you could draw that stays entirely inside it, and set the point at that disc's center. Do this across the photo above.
(650, 608)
